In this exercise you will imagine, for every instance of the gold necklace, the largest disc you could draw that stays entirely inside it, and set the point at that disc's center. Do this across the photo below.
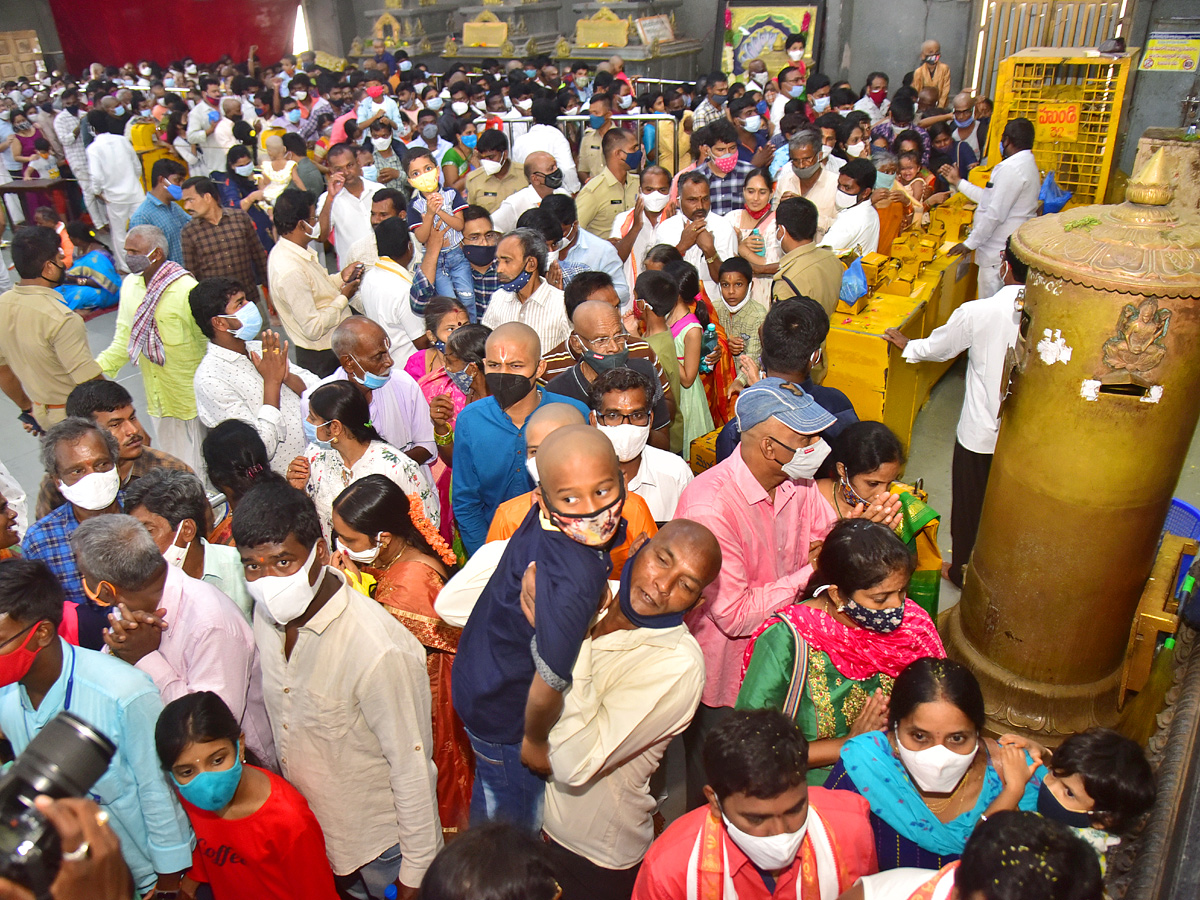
(970, 776)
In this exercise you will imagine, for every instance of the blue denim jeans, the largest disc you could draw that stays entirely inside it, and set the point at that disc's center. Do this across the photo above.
(454, 279)
(369, 882)
(504, 789)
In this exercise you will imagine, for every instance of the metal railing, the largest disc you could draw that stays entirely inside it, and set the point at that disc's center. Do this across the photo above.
(581, 121)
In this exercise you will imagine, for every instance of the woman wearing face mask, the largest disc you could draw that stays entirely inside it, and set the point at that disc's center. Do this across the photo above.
(758, 242)
(92, 281)
(867, 459)
(240, 189)
(443, 315)
(343, 446)
(390, 551)
(448, 389)
(253, 815)
(932, 774)
(857, 629)
(461, 158)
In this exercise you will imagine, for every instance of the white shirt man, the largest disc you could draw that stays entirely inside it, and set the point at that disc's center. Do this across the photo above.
(1009, 199)
(724, 241)
(206, 143)
(115, 168)
(660, 480)
(646, 238)
(554, 142)
(544, 312)
(68, 126)
(229, 387)
(513, 206)
(350, 218)
(384, 294)
(822, 194)
(855, 228)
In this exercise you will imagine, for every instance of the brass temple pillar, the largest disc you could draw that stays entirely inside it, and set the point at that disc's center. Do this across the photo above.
(1102, 402)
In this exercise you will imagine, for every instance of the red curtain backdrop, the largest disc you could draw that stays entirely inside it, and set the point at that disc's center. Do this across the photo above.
(121, 31)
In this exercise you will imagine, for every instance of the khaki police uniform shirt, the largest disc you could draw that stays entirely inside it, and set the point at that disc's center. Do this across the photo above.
(45, 344)
(489, 191)
(603, 198)
(591, 157)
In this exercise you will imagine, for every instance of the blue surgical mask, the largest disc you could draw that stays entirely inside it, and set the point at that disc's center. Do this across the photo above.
(174, 191)
(250, 321)
(595, 122)
(245, 170)
(118, 111)
(371, 173)
(470, 140)
(967, 123)
(531, 73)
(633, 160)
(761, 106)
(884, 180)
(820, 104)
(293, 116)
(310, 432)
(370, 380)
(213, 791)
(796, 91)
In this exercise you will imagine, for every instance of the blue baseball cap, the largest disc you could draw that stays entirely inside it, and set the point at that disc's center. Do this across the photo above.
(782, 400)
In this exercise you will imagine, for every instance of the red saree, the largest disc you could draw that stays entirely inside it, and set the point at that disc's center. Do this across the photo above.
(407, 590)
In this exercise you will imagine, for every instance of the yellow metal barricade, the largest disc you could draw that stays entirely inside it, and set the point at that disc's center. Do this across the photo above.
(1075, 99)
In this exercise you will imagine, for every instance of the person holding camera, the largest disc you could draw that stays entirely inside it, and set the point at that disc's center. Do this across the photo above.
(40, 676)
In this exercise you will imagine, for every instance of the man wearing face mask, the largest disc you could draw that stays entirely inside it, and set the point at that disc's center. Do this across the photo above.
(806, 270)
(817, 89)
(763, 832)
(457, 109)
(160, 209)
(751, 136)
(623, 408)
(614, 189)
(635, 231)
(82, 459)
(725, 170)
(399, 411)
(857, 224)
(544, 135)
(115, 169)
(591, 152)
(768, 515)
(544, 177)
(599, 342)
(489, 444)
(43, 345)
(172, 506)
(716, 90)
(326, 649)
(185, 634)
(42, 675)
(806, 177)
(497, 178)
(156, 331)
(376, 104)
(479, 245)
(932, 71)
(202, 123)
(428, 137)
(244, 378)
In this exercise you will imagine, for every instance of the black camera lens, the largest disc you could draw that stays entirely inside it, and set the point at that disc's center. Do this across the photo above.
(64, 759)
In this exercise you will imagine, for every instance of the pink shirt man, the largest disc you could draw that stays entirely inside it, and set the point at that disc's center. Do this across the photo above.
(209, 646)
(764, 541)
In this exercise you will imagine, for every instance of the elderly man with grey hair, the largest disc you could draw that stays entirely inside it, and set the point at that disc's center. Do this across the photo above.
(806, 176)
(399, 410)
(524, 294)
(182, 632)
(156, 330)
(81, 458)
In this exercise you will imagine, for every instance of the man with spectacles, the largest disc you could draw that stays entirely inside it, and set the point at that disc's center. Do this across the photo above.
(599, 341)
(622, 403)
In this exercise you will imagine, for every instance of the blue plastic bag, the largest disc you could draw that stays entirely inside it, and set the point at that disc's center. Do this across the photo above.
(1052, 196)
(854, 283)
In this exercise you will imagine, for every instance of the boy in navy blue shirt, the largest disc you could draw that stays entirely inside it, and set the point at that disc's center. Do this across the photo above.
(509, 677)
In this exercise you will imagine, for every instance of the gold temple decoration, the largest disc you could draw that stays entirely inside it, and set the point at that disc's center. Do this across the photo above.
(1151, 186)
(562, 48)
(425, 47)
(485, 30)
(508, 49)
(387, 28)
(604, 29)
(450, 48)
(393, 4)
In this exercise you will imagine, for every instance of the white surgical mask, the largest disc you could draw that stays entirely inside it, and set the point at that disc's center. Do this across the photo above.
(778, 851)
(364, 557)
(820, 104)
(761, 78)
(796, 54)
(856, 149)
(936, 769)
(551, 258)
(284, 598)
(313, 231)
(655, 201)
(491, 167)
(94, 491)
(381, 143)
(174, 555)
(752, 124)
(806, 460)
(628, 440)
(826, 151)
(531, 468)
(842, 200)
(459, 107)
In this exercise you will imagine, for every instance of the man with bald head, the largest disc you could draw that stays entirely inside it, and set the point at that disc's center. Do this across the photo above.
(598, 340)
(510, 675)
(399, 410)
(489, 443)
(544, 177)
(768, 515)
(639, 519)
(222, 136)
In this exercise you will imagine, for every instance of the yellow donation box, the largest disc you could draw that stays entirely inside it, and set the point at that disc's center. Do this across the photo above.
(1100, 410)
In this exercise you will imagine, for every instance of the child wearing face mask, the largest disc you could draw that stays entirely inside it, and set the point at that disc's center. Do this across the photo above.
(859, 630)
(432, 207)
(1097, 783)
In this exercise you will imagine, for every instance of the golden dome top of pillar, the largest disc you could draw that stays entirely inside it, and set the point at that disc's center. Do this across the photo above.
(1141, 246)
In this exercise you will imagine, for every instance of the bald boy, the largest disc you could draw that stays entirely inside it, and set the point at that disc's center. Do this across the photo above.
(509, 676)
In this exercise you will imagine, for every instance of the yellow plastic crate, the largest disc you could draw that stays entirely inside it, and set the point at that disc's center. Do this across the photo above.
(1076, 99)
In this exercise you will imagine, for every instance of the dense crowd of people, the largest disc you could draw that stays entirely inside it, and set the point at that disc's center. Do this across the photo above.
(491, 454)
